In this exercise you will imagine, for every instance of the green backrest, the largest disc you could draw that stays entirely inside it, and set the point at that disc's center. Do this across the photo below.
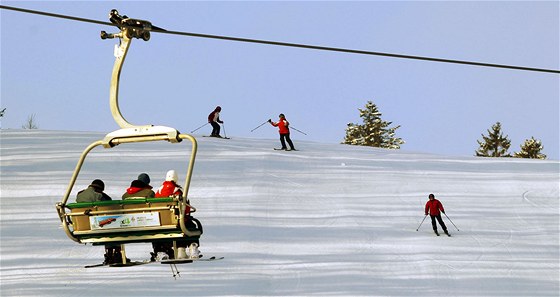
(117, 202)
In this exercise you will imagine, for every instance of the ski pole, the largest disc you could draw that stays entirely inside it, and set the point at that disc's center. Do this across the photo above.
(259, 126)
(199, 128)
(298, 130)
(451, 221)
(224, 126)
(421, 223)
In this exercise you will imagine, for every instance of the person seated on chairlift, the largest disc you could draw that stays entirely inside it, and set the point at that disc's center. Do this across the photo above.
(170, 188)
(186, 249)
(140, 188)
(94, 192)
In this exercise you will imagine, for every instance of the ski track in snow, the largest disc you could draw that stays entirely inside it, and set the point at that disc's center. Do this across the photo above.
(328, 220)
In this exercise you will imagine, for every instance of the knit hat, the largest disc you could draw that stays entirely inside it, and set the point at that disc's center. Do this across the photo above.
(98, 184)
(144, 177)
(171, 176)
(137, 184)
(281, 115)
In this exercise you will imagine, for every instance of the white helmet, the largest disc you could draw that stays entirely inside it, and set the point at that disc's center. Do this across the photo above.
(171, 176)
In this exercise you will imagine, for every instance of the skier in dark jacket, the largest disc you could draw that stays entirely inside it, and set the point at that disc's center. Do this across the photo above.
(435, 208)
(94, 192)
(214, 120)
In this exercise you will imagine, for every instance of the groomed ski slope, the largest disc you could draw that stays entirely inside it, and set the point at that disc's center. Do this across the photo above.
(328, 220)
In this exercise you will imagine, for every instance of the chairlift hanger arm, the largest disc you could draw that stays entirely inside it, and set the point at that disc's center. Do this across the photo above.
(129, 28)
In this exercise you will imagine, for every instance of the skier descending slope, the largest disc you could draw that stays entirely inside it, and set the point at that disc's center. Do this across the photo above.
(214, 120)
(284, 131)
(434, 208)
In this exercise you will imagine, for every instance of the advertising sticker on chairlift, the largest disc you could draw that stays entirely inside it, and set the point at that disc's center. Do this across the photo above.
(124, 221)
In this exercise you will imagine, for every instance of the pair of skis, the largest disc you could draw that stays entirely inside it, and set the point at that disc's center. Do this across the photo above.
(136, 263)
(276, 149)
(220, 137)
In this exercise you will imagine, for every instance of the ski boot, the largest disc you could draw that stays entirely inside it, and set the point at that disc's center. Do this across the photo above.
(194, 253)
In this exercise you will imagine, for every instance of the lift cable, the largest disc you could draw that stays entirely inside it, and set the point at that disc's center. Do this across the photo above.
(286, 44)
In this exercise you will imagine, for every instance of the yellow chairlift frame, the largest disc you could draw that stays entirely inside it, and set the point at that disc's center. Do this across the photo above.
(172, 213)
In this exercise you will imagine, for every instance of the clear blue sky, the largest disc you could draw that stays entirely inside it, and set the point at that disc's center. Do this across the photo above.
(60, 69)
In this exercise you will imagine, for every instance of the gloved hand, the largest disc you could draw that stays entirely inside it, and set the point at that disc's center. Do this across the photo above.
(443, 211)
(426, 214)
(269, 120)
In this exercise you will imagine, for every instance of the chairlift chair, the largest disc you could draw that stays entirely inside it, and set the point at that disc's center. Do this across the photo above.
(119, 222)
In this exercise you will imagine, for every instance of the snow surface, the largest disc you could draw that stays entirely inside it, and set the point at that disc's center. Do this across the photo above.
(328, 220)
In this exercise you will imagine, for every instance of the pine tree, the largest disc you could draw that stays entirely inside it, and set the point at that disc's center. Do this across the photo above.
(495, 144)
(531, 149)
(374, 131)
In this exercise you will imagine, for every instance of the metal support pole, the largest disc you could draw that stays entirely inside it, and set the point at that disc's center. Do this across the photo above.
(224, 128)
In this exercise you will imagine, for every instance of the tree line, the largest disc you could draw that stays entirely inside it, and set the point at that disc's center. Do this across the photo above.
(31, 122)
(376, 132)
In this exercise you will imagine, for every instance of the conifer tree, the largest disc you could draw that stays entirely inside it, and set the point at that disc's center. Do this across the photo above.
(374, 131)
(531, 149)
(495, 144)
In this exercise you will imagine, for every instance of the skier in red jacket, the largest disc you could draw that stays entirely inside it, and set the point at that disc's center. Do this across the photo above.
(434, 207)
(282, 125)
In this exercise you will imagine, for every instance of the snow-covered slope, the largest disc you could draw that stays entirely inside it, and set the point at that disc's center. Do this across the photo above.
(326, 220)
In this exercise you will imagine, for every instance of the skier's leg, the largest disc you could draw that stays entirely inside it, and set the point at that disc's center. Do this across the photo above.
(168, 249)
(434, 226)
(108, 255)
(290, 141)
(282, 141)
(441, 223)
(215, 129)
(117, 255)
(112, 254)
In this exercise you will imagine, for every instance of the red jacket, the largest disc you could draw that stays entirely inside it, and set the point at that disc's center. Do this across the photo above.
(433, 207)
(168, 189)
(282, 126)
